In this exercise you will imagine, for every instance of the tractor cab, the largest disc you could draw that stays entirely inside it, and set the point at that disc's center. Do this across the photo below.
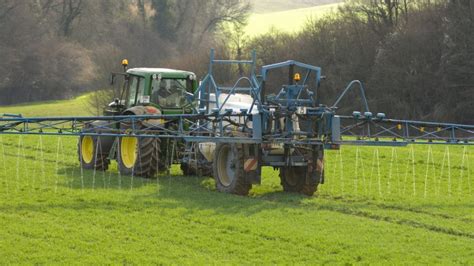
(162, 88)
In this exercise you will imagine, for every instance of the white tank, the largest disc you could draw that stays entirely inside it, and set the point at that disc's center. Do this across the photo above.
(236, 102)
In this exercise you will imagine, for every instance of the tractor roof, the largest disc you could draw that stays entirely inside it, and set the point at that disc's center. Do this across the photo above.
(165, 72)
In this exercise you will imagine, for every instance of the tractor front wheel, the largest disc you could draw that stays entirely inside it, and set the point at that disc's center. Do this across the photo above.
(229, 169)
(91, 155)
(138, 156)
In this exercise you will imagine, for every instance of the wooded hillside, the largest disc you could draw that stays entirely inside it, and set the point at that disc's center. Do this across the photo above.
(53, 49)
(416, 57)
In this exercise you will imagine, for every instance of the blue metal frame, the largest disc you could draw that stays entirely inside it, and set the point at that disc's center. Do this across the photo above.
(370, 129)
(316, 69)
(350, 86)
(207, 124)
(209, 84)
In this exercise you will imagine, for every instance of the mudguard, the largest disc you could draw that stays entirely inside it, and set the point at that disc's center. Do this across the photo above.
(146, 110)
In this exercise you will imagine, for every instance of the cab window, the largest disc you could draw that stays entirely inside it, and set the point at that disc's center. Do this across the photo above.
(169, 93)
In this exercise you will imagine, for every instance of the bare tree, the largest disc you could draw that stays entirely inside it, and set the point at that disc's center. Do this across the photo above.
(381, 15)
(65, 12)
(190, 21)
(6, 7)
(71, 9)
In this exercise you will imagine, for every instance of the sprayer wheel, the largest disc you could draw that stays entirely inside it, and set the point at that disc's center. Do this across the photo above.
(229, 169)
(293, 179)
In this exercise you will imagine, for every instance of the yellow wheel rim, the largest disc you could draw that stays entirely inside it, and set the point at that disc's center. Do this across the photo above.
(87, 149)
(128, 151)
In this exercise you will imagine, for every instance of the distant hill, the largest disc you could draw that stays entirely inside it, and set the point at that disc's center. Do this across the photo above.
(269, 6)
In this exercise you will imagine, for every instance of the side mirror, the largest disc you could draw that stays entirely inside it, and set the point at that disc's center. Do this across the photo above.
(112, 79)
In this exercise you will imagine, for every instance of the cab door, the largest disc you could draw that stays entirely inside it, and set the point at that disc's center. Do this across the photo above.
(136, 91)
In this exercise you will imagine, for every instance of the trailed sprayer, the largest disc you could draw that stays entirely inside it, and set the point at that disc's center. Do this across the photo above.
(165, 116)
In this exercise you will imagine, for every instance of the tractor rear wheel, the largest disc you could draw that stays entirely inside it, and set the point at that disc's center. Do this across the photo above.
(138, 156)
(229, 169)
(91, 155)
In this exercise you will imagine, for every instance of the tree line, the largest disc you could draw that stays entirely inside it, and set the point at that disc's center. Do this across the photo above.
(415, 57)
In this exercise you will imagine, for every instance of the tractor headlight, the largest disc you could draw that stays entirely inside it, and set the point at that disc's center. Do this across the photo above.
(192, 77)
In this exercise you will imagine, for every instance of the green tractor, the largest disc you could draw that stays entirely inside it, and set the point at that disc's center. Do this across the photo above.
(145, 91)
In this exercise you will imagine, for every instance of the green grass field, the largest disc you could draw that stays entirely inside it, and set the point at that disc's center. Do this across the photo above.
(78, 106)
(286, 21)
(378, 206)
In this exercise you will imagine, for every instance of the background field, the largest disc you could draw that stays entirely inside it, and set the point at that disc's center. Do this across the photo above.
(269, 6)
(378, 206)
(287, 21)
(78, 106)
